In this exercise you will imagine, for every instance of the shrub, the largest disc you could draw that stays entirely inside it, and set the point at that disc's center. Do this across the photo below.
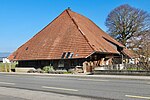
(48, 69)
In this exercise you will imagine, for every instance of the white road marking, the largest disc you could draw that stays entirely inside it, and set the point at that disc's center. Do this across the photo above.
(7, 83)
(10, 75)
(98, 80)
(148, 83)
(139, 97)
(42, 77)
(57, 88)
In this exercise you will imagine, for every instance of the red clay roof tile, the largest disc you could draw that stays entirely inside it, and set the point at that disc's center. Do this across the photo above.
(69, 32)
(129, 53)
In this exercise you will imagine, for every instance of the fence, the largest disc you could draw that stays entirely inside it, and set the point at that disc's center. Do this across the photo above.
(137, 67)
(5, 67)
(122, 69)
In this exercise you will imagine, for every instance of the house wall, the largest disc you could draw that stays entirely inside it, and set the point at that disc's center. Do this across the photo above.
(33, 63)
(95, 60)
(57, 64)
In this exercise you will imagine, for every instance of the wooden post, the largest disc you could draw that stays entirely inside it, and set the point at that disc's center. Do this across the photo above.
(5, 67)
(10, 67)
(122, 59)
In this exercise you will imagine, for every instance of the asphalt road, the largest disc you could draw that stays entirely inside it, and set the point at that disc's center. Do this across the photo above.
(85, 88)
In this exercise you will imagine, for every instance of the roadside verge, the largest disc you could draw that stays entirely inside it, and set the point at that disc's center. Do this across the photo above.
(82, 76)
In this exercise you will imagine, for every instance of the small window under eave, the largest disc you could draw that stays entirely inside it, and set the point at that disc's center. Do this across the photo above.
(63, 55)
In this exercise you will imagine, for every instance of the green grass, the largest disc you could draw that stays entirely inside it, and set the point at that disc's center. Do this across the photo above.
(134, 69)
(67, 72)
(2, 67)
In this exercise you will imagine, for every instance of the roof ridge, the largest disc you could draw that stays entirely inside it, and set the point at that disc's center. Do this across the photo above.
(101, 30)
(49, 24)
(40, 31)
(79, 28)
(106, 34)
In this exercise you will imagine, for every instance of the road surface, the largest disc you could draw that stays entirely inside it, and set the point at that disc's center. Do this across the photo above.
(71, 88)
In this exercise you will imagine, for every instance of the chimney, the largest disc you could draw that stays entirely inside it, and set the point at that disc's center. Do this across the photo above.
(69, 8)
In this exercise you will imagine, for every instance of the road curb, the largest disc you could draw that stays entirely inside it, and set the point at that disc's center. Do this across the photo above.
(83, 76)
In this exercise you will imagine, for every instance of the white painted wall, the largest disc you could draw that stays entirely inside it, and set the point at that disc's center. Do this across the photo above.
(5, 60)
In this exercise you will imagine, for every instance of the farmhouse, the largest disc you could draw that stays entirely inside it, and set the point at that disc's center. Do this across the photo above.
(68, 41)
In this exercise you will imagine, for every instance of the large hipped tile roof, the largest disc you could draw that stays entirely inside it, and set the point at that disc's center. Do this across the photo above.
(69, 32)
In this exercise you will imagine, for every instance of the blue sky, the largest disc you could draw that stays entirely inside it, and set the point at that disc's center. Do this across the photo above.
(22, 19)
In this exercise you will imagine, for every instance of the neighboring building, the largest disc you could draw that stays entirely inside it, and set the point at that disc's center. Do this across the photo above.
(129, 56)
(68, 41)
(3, 56)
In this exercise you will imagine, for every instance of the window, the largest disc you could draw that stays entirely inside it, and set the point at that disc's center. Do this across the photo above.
(61, 63)
(63, 55)
(71, 55)
(68, 54)
(26, 48)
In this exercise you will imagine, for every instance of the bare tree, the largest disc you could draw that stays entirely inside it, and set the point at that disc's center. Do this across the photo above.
(141, 45)
(125, 21)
